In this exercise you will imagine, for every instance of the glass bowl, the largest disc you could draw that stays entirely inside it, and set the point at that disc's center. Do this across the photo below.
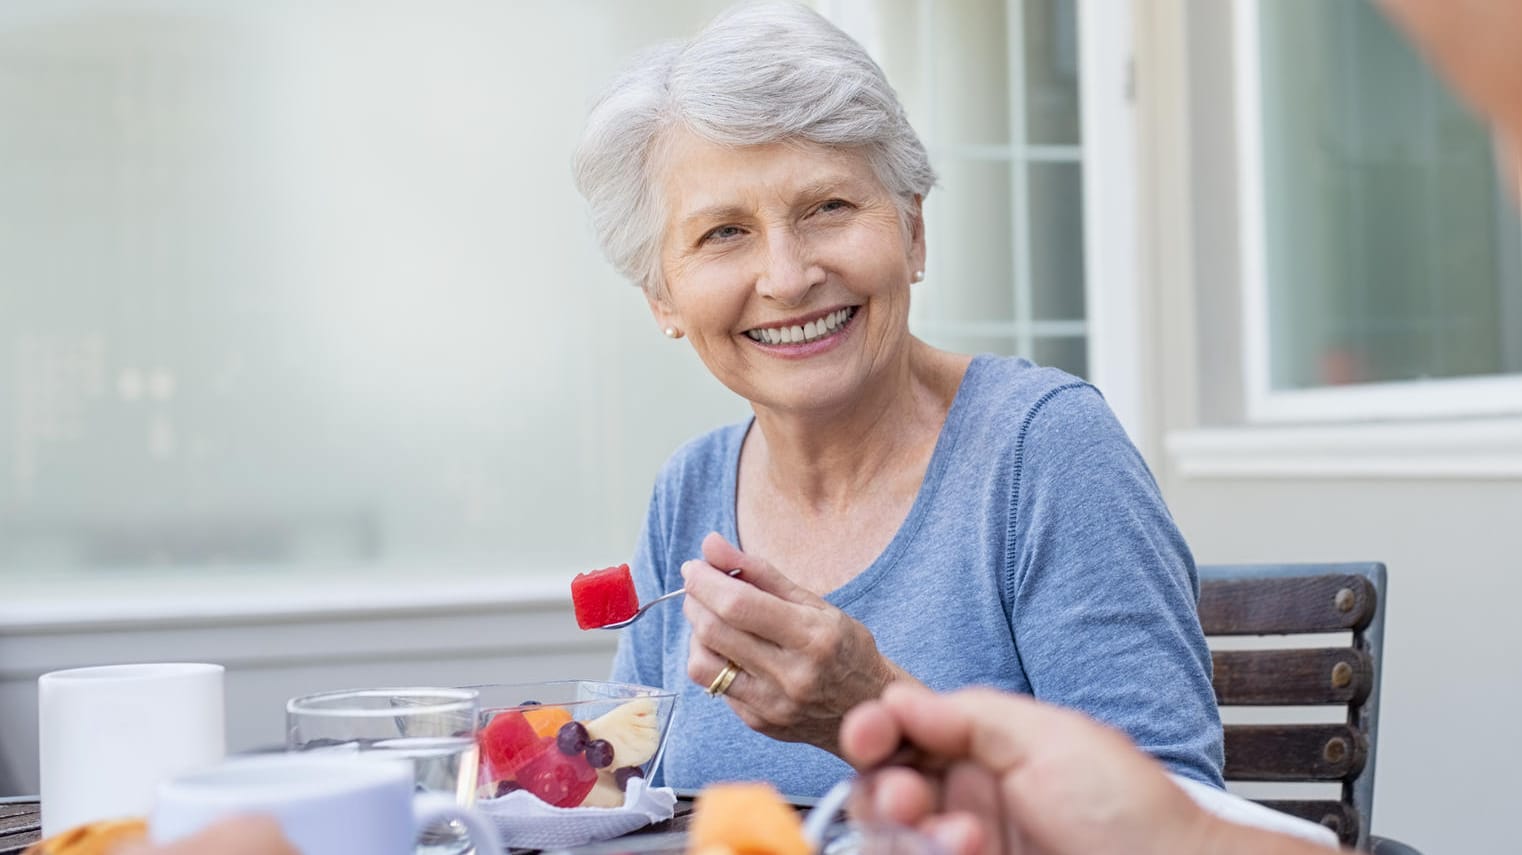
(572, 743)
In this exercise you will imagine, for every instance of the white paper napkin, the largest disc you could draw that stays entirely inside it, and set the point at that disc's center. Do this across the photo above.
(526, 821)
(1234, 808)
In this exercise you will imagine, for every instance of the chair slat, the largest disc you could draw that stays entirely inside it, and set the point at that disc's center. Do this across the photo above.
(1276, 606)
(1294, 752)
(1337, 816)
(1329, 675)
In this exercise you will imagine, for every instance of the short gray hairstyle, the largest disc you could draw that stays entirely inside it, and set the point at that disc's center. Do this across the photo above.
(759, 73)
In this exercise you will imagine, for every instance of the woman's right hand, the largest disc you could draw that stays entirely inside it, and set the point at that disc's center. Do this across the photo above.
(803, 662)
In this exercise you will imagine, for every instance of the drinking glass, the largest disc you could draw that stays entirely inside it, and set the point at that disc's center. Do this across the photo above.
(434, 728)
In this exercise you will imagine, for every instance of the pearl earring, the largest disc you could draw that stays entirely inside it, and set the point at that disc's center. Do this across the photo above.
(919, 275)
(673, 332)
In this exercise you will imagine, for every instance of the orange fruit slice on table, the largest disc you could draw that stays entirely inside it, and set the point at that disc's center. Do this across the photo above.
(746, 819)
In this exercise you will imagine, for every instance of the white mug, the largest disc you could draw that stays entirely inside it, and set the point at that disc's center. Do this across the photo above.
(108, 736)
(325, 804)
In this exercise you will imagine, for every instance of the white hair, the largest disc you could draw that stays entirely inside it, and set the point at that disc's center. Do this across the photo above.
(759, 73)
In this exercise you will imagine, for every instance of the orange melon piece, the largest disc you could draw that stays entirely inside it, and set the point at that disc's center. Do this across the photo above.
(747, 819)
(547, 721)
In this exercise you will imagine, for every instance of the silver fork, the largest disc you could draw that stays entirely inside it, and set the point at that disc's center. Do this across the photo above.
(646, 607)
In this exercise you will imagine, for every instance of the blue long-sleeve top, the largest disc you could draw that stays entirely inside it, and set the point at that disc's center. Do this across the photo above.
(1038, 557)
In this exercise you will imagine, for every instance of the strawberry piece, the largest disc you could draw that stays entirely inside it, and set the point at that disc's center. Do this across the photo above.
(507, 742)
(562, 780)
(604, 596)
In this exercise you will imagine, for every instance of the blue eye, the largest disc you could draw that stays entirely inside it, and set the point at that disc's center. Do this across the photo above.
(832, 206)
(722, 233)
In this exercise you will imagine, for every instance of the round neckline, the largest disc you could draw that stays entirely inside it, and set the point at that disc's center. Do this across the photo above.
(863, 582)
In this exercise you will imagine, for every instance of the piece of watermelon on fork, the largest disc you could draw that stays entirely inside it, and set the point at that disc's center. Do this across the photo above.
(603, 597)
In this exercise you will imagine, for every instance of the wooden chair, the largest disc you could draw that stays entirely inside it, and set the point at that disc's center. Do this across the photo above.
(1298, 599)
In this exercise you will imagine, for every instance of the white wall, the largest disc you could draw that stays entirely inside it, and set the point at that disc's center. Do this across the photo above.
(1449, 745)
(305, 292)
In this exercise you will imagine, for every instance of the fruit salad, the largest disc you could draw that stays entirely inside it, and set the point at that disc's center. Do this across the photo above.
(566, 762)
(604, 597)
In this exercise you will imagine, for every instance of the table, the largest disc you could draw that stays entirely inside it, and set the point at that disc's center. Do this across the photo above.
(21, 823)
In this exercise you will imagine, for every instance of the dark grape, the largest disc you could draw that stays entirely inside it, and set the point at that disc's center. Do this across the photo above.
(530, 704)
(599, 753)
(571, 738)
(622, 775)
(505, 787)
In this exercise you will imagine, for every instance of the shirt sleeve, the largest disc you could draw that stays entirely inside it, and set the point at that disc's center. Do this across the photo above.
(1102, 588)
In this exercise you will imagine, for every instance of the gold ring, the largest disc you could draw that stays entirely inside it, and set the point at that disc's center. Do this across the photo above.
(720, 684)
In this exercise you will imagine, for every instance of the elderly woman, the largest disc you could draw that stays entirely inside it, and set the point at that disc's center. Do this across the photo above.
(896, 512)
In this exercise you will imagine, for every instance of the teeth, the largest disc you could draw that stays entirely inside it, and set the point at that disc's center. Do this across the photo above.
(811, 331)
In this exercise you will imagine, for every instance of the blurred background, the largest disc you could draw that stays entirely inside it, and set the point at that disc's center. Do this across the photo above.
(309, 364)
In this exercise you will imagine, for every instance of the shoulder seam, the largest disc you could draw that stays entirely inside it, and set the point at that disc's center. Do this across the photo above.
(1017, 482)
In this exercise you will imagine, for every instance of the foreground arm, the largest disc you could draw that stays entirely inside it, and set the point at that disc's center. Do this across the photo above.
(249, 835)
(1003, 773)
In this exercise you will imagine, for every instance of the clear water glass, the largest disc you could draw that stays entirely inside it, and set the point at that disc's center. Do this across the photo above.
(434, 728)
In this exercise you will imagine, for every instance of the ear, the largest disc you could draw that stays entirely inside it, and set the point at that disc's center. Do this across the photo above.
(665, 316)
(917, 233)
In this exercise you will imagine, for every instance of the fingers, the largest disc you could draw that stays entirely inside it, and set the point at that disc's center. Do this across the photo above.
(896, 795)
(742, 605)
(993, 728)
(722, 637)
(756, 571)
(959, 834)
(869, 734)
(971, 793)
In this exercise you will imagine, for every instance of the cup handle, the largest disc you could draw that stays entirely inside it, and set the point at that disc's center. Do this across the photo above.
(429, 808)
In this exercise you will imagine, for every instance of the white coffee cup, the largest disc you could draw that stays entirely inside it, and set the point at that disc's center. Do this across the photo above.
(108, 736)
(325, 804)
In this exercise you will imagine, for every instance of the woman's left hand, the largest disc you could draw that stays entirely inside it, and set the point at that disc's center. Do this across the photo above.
(803, 663)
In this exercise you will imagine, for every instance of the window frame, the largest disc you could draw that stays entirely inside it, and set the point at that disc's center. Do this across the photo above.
(1400, 400)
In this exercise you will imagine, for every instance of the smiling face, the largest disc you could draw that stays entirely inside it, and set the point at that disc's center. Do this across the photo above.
(788, 266)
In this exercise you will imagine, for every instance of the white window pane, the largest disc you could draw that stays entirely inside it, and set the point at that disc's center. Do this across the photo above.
(969, 237)
(970, 70)
(1391, 252)
(1056, 245)
(1051, 72)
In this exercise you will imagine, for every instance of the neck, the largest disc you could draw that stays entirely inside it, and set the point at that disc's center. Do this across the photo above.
(823, 460)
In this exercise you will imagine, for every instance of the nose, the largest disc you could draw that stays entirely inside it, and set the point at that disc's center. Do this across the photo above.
(788, 272)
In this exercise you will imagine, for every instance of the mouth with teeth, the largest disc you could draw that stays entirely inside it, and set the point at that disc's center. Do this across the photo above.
(808, 333)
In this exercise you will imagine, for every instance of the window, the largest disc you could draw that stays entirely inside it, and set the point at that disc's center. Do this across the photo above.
(306, 289)
(992, 86)
(284, 288)
(1382, 253)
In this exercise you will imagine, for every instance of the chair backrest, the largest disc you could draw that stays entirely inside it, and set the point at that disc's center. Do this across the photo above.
(1298, 599)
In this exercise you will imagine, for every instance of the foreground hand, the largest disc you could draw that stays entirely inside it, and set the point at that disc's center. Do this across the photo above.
(803, 662)
(1472, 43)
(247, 835)
(1014, 775)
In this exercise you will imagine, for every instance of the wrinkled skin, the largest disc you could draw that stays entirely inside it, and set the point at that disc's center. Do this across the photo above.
(803, 663)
